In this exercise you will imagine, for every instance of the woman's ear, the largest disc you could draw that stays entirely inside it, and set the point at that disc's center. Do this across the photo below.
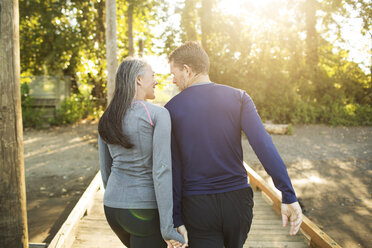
(139, 80)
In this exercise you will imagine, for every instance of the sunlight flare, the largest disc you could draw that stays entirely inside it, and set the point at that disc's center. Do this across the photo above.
(237, 7)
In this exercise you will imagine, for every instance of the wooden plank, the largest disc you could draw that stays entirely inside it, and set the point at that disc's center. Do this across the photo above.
(269, 244)
(281, 231)
(268, 228)
(264, 236)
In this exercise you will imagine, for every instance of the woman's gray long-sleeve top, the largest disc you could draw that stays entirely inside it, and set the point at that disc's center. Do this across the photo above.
(141, 177)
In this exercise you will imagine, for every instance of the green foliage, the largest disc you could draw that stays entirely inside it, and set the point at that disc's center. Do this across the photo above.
(271, 49)
(67, 38)
(290, 130)
(31, 116)
(74, 108)
(276, 53)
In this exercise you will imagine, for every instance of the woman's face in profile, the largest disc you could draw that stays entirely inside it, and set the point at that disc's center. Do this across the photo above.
(148, 83)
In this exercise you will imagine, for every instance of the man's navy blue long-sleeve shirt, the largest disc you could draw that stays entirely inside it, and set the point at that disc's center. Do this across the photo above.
(207, 155)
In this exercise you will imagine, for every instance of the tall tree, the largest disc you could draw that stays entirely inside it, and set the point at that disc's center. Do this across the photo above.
(13, 213)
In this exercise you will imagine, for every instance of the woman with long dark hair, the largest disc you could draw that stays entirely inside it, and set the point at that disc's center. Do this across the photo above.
(135, 160)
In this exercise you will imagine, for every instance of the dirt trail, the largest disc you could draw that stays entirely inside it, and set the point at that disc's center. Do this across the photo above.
(330, 167)
(59, 165)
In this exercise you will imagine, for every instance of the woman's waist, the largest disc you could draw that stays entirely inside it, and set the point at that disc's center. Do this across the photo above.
(131, 194)
(131, 181)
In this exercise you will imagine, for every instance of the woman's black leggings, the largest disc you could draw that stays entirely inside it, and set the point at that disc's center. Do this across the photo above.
(136, 228)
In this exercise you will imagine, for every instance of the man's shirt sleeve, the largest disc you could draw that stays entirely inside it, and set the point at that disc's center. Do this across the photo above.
(177, 183)
(265, 150)
(176, 177)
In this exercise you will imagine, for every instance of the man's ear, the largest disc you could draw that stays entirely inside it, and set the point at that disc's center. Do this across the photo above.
(187, 68)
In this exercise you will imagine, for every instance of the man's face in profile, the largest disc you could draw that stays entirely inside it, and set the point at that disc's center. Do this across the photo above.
(179, 76)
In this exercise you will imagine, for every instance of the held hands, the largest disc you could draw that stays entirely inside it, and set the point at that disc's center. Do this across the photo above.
(294, 213)
(176, 244)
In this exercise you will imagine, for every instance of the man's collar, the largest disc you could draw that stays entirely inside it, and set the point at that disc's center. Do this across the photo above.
(200, 83)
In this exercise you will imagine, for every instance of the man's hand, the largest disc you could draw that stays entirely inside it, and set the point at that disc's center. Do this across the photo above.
(294, 213)
(176, 244)
(182, 230)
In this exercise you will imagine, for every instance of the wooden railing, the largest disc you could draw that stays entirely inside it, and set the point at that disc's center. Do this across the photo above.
(318, 238)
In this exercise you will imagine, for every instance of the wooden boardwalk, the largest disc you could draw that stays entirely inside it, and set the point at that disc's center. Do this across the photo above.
(94, 232)
(86, 226)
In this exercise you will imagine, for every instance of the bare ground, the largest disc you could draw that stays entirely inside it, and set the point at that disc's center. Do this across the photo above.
(59, 165)
(330, 168)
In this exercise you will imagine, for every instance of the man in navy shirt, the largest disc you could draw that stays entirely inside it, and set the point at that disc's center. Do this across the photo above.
(211, 194)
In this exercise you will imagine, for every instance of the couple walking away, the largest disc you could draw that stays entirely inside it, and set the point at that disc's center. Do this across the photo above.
(174, 176)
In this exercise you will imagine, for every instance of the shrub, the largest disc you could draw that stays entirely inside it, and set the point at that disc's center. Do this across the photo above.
(74, 108)
(31, 116)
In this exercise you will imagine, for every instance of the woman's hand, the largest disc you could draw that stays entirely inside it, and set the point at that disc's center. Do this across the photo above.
(175, 244)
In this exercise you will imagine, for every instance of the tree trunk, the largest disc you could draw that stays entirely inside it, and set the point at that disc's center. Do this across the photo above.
(130, 29)
(100, 36)
(370, 75)
(188, 21)
(140, 47)
(311, 36)
(98, 91)
(206, 22)
(111, 47)
(13, 213)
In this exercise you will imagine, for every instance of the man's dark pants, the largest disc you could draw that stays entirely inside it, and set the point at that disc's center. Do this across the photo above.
(218, 220)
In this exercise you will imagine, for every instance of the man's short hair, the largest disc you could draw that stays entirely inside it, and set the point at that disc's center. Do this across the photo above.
(192, 54)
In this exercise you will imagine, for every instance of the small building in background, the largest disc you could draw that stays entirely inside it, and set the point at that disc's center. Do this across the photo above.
(47, 92)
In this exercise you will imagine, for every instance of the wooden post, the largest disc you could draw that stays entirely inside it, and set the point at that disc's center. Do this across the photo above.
(111, 47)
(13, 213)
